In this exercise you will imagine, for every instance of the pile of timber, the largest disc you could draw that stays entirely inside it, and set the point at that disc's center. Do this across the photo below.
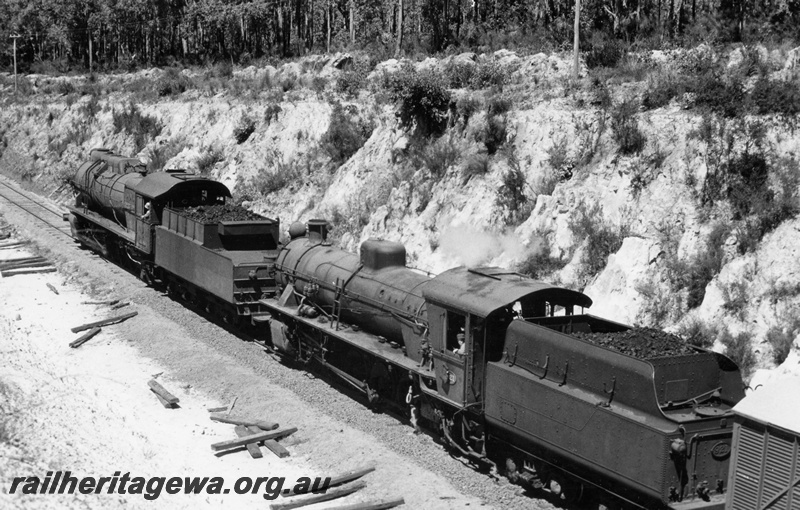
(250, 433)
(25, 265)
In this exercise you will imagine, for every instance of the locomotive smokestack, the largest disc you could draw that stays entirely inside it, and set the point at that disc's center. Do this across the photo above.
(318, 230)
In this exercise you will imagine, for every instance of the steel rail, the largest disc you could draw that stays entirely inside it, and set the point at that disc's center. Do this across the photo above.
(34, 207)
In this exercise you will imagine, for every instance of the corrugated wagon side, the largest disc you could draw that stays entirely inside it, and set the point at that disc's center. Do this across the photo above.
(766, 449)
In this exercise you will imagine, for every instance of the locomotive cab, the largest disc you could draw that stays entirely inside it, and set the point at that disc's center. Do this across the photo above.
(145, 201)
(478, 305)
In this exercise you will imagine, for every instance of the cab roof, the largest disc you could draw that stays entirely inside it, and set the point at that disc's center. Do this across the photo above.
(161, 185)
(482, 291)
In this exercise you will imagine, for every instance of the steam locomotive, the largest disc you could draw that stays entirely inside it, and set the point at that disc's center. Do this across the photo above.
(508, 370)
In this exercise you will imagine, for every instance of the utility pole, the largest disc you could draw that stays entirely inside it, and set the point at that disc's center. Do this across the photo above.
(15, 36)
(577, 38)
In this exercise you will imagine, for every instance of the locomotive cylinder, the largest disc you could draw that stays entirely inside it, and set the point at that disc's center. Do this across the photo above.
(375, 291)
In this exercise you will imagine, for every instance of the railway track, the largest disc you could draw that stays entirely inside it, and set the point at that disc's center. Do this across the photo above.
(48, 217)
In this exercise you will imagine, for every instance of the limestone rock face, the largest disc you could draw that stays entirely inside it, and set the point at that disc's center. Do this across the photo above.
(445, 198)
(616, 291)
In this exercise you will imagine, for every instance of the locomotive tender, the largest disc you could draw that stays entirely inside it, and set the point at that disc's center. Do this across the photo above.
(496, 362)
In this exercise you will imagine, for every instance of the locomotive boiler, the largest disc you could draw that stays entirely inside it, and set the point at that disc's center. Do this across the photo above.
(102, 180)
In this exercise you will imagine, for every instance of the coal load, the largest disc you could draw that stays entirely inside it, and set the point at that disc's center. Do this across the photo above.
(220, 212)
(642, 343)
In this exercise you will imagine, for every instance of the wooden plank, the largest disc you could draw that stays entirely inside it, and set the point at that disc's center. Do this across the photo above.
(372, 505)
(112, 302)
(217, 409)
(276, 448)
(345, 477)
(272, 445)
(317, 498)
(253, 438)
(8, 246)
(104, 322)
(162, 392)
(262, 424)
(25, 265)
(51, 287)
(164, 402)
(22, 260)
(120, 305)
(33, 270)
(233, 403)
(84, 338)
(253, 448)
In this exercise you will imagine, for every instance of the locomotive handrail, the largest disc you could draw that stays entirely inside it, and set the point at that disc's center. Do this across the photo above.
(610, 392)
(545, 367)
(512, 361)
(694, 400)
(397, 312)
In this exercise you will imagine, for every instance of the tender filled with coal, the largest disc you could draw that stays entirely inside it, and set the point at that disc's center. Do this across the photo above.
(220, 212)
(642, 343)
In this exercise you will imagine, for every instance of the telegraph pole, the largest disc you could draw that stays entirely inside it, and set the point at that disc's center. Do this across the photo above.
(577, 39)
(15, 36)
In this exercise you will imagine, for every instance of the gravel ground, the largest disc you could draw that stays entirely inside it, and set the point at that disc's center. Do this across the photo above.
(337, 432)
(643, 343)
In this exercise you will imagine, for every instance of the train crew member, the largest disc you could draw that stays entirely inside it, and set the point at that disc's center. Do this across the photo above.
(461, 350)
(425, 351)
(148, 213)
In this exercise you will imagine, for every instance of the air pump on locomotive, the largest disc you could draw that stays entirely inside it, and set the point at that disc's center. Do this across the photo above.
(497, 363)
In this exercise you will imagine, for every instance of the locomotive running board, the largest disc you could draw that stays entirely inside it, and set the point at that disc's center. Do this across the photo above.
(358, 339)
(109, 225)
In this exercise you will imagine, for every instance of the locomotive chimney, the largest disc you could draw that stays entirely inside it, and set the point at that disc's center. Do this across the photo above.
(318, 230)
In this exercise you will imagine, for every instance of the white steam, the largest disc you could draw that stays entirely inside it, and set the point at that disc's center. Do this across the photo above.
(468, 246)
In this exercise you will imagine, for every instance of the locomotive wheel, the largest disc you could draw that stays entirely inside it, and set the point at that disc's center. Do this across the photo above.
(512, 470)
(373, 399)
(144, 275)
(608, 504)
(567, 490)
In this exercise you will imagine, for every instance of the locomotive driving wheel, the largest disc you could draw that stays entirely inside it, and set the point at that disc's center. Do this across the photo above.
(566, 489)
(144, 275)
(512, 470)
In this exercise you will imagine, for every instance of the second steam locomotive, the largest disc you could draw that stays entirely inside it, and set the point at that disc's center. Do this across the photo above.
(510, 371)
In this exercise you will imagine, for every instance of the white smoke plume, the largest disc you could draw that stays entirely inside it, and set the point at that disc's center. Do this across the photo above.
(468, 246)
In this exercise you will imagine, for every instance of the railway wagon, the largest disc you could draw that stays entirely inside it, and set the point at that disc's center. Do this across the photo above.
(766, 448)
(513, 372)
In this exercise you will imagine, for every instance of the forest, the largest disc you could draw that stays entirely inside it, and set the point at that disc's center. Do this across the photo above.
(63, 35)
